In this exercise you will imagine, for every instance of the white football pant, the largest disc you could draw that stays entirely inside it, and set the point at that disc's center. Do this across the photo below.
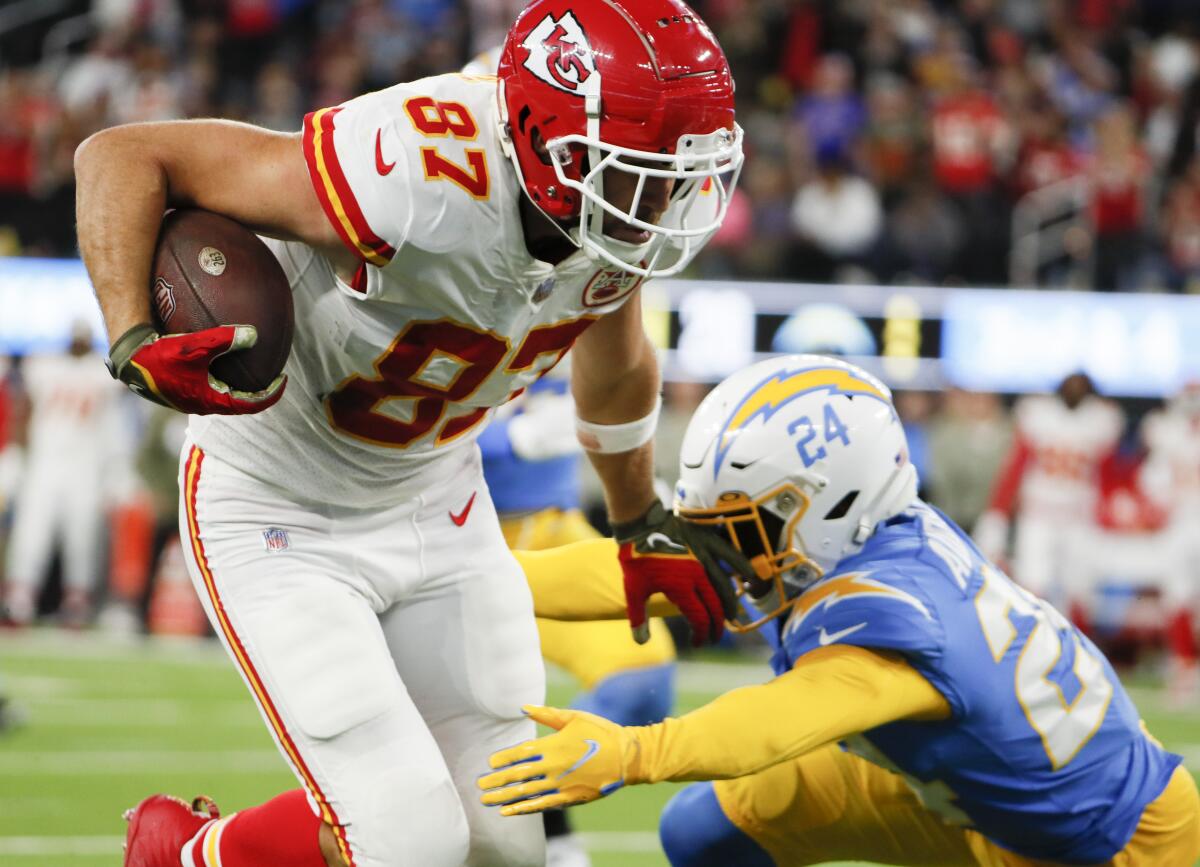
(389, 651)
(60, 502)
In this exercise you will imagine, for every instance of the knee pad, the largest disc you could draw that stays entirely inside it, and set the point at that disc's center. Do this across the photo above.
(402, 831)
(695, 832)
(637, 697)
(519, 842)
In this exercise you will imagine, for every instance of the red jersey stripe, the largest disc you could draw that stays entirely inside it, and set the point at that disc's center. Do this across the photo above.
(192, 484)
(334, 192)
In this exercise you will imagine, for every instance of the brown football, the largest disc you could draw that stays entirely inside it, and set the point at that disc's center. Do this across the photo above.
(210, 270)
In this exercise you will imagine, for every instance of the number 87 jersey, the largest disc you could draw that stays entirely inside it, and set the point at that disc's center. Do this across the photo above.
(447, 316)
(1044, 752)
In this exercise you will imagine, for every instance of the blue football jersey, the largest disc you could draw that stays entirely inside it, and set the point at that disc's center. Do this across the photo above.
(1044, 752)
(519, 486)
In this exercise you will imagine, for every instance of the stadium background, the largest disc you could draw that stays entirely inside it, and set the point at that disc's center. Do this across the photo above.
(951, 166)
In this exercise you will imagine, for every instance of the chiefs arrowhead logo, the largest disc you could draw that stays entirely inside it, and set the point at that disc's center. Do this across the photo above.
(609, 285)
(559, 53)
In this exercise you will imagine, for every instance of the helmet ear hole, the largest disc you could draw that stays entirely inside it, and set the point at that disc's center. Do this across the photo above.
(842, 506)
(539, 145)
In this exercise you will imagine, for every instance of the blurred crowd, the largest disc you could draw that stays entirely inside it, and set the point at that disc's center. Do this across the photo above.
(957, 142)
(964, 142)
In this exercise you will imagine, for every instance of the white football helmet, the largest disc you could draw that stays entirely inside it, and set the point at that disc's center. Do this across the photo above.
(796, 459)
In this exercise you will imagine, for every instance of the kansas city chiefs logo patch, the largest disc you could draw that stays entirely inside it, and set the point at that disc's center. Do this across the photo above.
(559, 53)
(609, 285)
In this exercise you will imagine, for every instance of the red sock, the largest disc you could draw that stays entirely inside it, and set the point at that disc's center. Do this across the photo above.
(1181, 636)
(1080, 617)
(283, 832)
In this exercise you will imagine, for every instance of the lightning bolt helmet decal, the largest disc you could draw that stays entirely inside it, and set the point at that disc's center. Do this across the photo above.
(780, 388)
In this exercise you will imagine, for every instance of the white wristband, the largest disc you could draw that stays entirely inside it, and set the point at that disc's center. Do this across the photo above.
(611, 439)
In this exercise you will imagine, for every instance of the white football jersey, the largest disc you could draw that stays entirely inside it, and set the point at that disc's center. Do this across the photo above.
(448, 316)
(1172, 470)
(1067, 446)
(74, 416)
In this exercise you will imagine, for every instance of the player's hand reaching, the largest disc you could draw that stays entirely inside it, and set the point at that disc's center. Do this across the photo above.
(690, 565)
(172, 369)
(586, 758)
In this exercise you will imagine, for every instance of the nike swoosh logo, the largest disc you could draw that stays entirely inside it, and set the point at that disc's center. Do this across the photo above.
(654, 540)
(825, 638)
(380, 166)
(461, 517)
(592, 749)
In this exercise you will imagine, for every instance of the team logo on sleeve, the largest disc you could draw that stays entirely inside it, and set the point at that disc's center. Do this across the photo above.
(609, 285)
(851, 586)
(559, 53)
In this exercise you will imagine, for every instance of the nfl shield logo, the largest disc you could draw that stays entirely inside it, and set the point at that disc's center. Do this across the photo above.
(164, 299)
(276, 539)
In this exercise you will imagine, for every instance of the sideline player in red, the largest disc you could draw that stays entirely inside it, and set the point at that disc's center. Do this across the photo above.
(1050, 482)
(447, 240)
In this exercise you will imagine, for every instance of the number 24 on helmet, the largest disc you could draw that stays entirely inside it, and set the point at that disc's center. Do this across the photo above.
(796, 459)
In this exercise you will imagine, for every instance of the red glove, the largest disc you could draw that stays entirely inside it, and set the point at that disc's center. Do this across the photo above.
(172, 369)
(660, 553)
(680, 578)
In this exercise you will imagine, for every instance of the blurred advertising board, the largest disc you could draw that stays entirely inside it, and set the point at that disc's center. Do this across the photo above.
(925, 337)
(1144, 345)
(40, 301)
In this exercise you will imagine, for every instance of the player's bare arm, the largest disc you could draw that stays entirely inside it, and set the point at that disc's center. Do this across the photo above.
(127, 176)
(615, 383)
(614, 379)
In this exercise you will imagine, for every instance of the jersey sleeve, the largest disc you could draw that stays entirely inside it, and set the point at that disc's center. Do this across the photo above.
(361, 174)
(829, 695)
(410, 170)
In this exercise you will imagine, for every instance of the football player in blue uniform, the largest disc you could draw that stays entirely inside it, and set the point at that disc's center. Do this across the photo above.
(925, 709)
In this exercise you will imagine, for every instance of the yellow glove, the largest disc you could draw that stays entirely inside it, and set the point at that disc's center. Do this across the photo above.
(586, 758)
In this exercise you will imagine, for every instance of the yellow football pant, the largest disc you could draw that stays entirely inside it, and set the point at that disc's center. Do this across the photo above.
(592, 650)
(830, 805)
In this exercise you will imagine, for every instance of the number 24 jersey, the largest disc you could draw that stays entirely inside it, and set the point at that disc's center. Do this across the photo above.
(1044, 752)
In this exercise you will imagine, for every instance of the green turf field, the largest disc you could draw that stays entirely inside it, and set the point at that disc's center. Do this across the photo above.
(111, 721)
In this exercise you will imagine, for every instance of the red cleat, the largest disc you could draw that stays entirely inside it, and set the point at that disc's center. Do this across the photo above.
(160, 826)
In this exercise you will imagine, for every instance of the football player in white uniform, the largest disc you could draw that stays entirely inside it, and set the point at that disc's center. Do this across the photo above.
(447, 240)
(1171, 476)
(1050, 481)
(72, 462)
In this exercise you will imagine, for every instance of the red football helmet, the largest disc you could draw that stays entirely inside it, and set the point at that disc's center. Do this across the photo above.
(640, 87)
